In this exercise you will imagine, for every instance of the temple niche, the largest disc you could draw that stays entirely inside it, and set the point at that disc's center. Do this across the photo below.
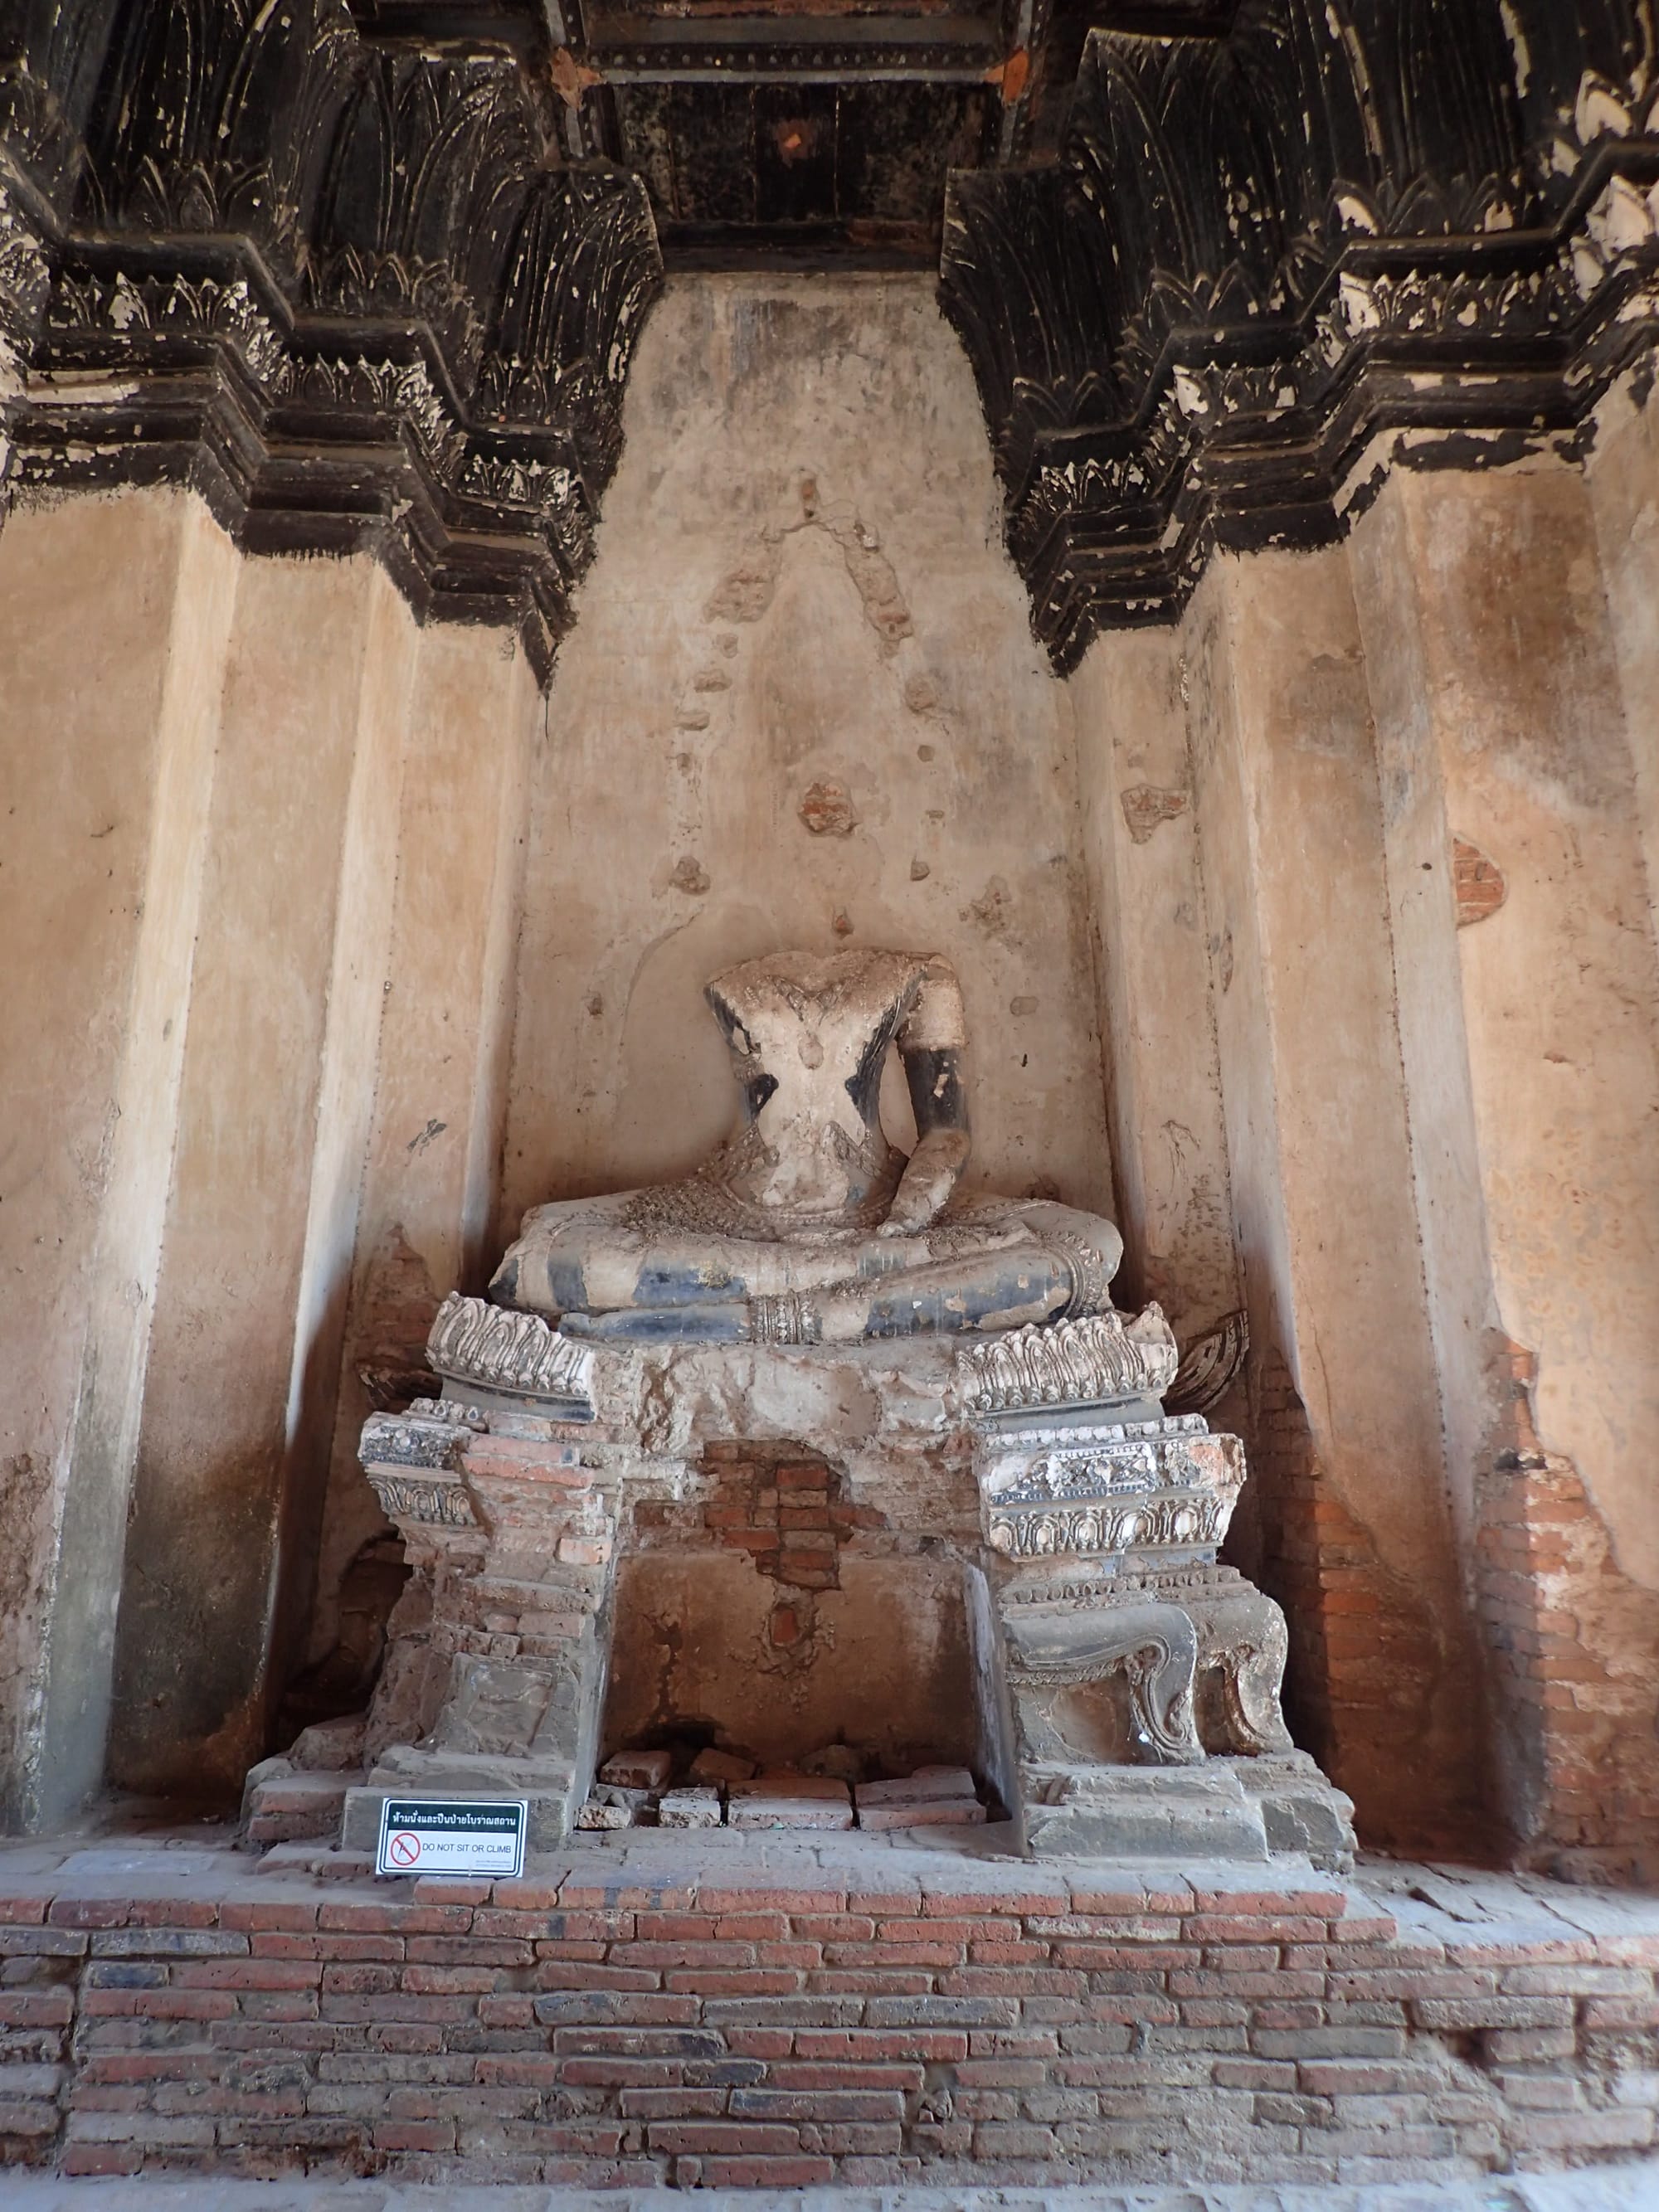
(826, 897)
(993, 1491)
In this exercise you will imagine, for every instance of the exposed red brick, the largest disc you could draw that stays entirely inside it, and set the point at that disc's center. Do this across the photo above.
(1477, 883)
(790, 1512)
(1573, 1646)
(1040, 2058)
(1361, 1685)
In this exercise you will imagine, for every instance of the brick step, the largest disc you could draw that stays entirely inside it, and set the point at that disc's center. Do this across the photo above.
(315, 1859)
(675, 2009)
(283, 1803)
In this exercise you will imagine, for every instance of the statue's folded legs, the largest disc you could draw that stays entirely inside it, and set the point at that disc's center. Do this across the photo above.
(994, 1265)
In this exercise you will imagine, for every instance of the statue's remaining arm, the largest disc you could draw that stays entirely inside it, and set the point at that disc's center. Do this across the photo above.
(931, 1041)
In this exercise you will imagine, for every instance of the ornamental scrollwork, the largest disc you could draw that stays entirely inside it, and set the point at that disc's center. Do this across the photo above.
(1164, 1518)
(431, 1501)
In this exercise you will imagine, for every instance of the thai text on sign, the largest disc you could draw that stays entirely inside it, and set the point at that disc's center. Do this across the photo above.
(452, 1835)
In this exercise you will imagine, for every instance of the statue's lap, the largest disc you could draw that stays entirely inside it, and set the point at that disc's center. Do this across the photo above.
(597, 1255)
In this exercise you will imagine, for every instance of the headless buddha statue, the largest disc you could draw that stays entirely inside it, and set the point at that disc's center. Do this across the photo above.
(808, 1226)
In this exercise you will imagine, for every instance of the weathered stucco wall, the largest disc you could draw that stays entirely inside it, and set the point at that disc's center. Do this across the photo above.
(890, 1670)
(1501, 592)
(1407, 788)
(279, 1052)
(1622, 476)
(114, 623)
(1146, 904)
(801, 706)
(208, 830)
(1347, 1414)
(1529, 997)
(1233, 829)
(429, 1181)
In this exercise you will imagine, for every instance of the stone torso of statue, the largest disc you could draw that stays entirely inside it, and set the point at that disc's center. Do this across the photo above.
(808, 1225)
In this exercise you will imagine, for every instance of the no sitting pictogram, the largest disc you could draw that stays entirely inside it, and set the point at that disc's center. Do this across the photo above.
(428, 1836)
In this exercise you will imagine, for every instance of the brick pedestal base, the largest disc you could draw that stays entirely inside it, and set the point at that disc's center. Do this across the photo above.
(709, 2012)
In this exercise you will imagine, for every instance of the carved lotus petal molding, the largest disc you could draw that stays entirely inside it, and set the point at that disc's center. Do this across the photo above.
(1092, 1361)
(473, 1341)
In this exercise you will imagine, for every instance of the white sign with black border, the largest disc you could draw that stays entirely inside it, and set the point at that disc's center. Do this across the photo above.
(452, 1835)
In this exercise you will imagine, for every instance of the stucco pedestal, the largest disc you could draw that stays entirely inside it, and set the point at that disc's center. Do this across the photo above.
(1121, 1684)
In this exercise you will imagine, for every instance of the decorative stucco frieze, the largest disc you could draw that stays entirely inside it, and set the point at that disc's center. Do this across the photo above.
(1137, 1486)
(1268, 266)
(414, 1439)
(439, 1501)
(1177, 1517)
(413, 1463)
(356, 297)
(1100, 1357)
(489, 1347)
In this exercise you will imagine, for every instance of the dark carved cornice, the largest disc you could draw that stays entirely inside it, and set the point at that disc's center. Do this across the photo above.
(1268, 266)
(350, 293)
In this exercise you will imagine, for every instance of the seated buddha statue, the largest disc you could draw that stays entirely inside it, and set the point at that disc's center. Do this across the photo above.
(807, 1226)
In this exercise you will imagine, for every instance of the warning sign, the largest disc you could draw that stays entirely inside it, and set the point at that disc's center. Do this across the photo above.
(452, 1835)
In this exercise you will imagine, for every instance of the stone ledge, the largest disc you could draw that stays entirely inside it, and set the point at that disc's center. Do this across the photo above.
(676, 2008)
(1630, 2186)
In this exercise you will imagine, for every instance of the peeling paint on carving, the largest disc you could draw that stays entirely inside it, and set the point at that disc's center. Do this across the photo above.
(1043, 286)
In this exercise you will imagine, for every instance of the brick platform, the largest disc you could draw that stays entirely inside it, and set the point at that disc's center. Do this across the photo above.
(1628, 2186)
(727, 2011)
